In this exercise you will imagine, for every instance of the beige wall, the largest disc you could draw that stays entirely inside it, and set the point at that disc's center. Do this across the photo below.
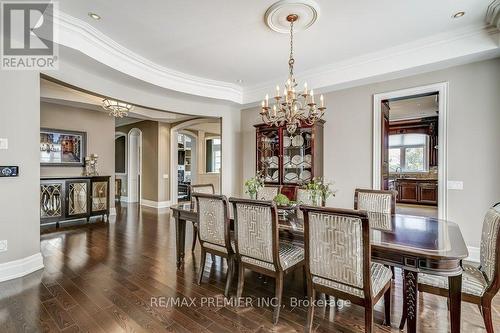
(473, 137)
(19, 196)
(100, 129)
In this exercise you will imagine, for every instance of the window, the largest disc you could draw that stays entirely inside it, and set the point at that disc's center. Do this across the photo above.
(213, 153)
(408, 153)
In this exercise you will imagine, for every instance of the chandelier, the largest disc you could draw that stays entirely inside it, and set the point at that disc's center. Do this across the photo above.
(294, 107)
(116, 109)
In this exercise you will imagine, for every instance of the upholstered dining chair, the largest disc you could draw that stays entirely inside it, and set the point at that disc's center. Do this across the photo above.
(214, 232)
(198, 188)
(378, 201)
(268, 192)
(338, 261)
(258, 247)
(480, 283)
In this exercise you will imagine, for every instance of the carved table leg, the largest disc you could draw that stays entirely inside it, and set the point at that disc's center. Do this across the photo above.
(180, 239)
(455, 296)
(404, 315)
(411, 300)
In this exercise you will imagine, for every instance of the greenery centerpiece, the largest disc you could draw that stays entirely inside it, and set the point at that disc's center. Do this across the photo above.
(319, 190)
(253, 185)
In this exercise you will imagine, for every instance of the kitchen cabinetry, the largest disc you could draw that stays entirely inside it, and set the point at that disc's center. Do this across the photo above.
(417, 191)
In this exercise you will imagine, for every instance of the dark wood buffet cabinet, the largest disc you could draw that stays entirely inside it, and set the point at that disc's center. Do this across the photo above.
(66, 199)
(417, 191)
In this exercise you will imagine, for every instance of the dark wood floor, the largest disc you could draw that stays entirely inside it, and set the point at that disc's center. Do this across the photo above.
(101, 278)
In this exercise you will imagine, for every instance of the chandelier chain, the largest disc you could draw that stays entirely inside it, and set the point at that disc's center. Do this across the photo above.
(291, 61)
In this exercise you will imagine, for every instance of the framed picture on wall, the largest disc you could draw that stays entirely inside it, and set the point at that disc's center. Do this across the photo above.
(62, 148)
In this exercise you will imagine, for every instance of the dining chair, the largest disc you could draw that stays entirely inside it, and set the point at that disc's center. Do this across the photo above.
(268, 192)
(258, 247)
(198, 188)
(480, 283)
(338, 261)
(378, 201)
(379, 204)
(214, 232)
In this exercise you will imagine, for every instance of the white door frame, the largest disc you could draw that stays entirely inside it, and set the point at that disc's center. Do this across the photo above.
(442, 89)
(173, 151)
(133, 158)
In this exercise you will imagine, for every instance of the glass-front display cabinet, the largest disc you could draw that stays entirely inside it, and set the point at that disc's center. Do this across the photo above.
(290, 160)
(69, 199)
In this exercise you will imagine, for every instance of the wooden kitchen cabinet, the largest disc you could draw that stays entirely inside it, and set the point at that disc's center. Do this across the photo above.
(417, 191)
(428, 193)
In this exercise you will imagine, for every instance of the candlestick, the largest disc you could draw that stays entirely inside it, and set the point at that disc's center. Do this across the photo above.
(305, 88)
(277, 91)
(322, 101)
(312, 96)
(267, 100)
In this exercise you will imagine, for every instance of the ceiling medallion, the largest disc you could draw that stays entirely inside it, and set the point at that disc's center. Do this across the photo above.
(116, 109)
(293, 108)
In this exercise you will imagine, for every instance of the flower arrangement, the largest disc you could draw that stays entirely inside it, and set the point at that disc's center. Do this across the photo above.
(320, 190)
(253, 185)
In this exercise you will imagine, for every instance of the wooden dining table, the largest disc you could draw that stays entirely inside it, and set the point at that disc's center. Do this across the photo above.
(414, 244)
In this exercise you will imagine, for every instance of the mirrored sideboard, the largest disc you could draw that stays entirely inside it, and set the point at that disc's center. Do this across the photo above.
(64, 200)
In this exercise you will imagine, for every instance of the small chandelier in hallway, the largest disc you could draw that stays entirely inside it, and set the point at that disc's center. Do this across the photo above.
(116, 109)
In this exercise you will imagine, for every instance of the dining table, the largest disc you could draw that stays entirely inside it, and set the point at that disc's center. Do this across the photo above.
(415, 244)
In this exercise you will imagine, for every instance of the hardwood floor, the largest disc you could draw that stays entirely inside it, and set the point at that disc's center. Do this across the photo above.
(417, 210)
(102, 278)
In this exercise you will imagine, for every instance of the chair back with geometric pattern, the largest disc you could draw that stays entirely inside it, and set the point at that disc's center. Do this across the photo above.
(337, 247)
(375, 201)
(267, 193)
(213, 219)
(201, 188)
(490, 242)
(256, 229)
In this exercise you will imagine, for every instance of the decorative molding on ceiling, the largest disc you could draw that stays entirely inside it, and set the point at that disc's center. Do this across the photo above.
(306, 10)
(439, 49)
(447, 47)
(79, 35)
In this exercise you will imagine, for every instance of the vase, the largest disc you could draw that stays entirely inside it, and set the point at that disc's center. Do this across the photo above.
(316, 198)
(253, 195)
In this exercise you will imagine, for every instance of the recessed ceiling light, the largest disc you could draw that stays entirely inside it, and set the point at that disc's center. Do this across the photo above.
(239, 81)
(95, 16)
(458, 14)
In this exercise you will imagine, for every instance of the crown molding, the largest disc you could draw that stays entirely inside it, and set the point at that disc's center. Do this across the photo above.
(441, 48)
(79, 35)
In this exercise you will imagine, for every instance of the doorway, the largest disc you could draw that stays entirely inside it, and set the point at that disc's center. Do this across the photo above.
(196, 155)
(410, 148)
(134, 186)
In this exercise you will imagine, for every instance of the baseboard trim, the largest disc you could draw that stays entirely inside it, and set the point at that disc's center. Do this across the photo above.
(112, 211)
(155, 204)
(21, 267)
(473, 254)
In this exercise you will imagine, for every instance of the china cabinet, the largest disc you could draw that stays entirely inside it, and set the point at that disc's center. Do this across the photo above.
(289, 160)
(73, 198)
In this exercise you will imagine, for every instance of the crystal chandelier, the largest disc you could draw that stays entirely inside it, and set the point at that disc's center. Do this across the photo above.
(293, 108)
(116, 109)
